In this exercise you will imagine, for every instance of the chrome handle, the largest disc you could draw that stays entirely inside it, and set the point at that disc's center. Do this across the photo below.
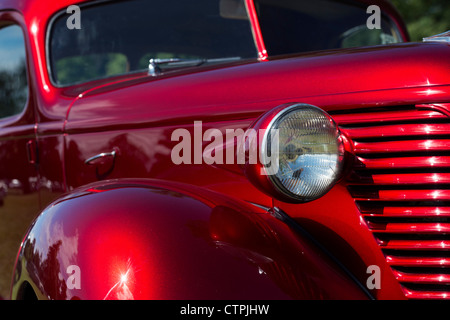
(102, 155)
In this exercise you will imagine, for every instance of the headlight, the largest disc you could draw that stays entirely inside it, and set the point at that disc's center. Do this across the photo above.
(301, 153)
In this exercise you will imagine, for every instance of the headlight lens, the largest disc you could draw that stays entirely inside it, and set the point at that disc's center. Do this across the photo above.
(309, 152)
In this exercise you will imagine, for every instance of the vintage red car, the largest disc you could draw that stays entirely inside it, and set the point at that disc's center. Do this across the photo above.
(227, 149)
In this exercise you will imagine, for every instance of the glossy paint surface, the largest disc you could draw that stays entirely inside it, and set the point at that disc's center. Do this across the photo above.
(138, 242)
(205, 94)
(148, 252)
(404, 203)
(19, 198)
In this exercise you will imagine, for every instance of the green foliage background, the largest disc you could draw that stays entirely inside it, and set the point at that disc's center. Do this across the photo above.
(424, 17)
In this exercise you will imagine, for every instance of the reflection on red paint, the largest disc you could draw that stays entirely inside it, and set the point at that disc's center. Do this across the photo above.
(121, 290)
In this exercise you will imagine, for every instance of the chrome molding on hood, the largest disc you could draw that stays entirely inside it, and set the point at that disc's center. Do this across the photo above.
(442, 37)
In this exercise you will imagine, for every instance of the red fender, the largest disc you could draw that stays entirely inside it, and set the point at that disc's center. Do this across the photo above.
(141, 240)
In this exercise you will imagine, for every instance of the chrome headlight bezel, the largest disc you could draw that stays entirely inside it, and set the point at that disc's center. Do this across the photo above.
(266, 178)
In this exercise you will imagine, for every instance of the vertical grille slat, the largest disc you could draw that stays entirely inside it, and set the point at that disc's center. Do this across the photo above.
(401, 185)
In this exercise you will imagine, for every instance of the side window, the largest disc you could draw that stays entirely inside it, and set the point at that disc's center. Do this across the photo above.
(13, 74)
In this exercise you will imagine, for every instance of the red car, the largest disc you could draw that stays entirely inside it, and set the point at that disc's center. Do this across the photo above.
(231, 149)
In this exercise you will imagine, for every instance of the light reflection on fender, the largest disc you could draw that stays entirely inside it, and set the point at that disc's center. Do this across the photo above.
(134, 241)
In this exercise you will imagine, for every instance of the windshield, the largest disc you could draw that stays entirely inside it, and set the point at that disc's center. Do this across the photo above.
(121, 37)
(292, 26)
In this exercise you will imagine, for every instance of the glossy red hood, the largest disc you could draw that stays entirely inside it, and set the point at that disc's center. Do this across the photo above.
(254, 87)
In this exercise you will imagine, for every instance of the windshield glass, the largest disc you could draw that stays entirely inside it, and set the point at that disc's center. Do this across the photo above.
(121, 37)
(291, 26)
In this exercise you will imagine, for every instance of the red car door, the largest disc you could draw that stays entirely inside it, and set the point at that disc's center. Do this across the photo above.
(19, 200)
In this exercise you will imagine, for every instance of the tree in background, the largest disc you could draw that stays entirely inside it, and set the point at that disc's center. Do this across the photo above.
(424, 17)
